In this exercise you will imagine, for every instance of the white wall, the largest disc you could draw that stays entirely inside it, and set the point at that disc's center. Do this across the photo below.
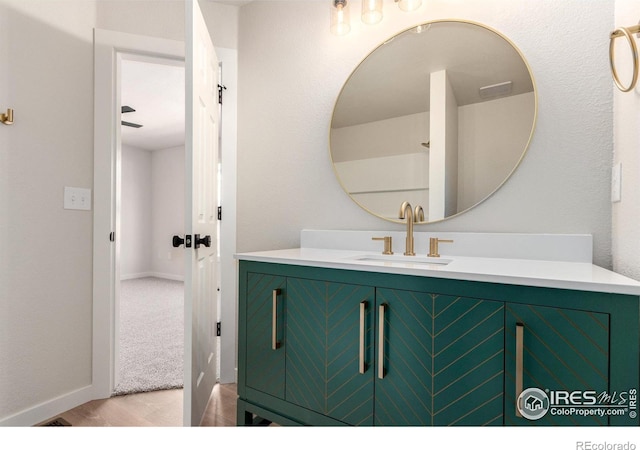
(167, 212)
(394, 136)
(135, 213)
(152, 211)
(46, 67)
(158, 18)
(484, 161)
(289, 81)
(626, 213)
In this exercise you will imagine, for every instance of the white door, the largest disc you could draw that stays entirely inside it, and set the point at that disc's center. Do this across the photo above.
(201, 151)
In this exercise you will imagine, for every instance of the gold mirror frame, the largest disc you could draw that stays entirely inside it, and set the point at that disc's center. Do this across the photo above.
(525, 136)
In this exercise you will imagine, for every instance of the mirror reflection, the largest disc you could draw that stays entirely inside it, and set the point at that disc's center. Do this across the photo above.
(439, 115)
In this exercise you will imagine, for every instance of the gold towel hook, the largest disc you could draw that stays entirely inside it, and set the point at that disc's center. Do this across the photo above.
(626, 32)
(7, 118)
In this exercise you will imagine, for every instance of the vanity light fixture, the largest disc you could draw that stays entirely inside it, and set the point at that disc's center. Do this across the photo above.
(340, 17)
(371, 13)
(409, 5)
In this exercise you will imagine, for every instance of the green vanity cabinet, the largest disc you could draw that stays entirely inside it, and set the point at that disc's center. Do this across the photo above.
(442, 359)
(324, 330)
(265, 370)
(326, 346)
(563, 350)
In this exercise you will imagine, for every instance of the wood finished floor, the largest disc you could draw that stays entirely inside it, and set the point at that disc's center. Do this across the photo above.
(153, 409)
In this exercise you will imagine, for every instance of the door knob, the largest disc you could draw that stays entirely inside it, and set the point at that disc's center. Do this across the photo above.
(206, 241)
(178, 241)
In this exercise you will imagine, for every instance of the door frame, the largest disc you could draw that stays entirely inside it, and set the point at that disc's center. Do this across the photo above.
(110, 47)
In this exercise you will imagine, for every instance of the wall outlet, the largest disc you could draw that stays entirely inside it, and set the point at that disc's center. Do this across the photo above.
(77, 198)
(616, 183)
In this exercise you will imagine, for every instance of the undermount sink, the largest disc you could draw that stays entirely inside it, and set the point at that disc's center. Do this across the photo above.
(402, 259)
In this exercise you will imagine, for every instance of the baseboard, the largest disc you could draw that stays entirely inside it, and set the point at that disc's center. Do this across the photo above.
(47, 410)
(133, 276)
(166, 276)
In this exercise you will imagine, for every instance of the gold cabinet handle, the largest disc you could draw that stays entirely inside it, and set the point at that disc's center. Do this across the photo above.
(381, 311)
(275, 345)
(362, 366)
(519, 362)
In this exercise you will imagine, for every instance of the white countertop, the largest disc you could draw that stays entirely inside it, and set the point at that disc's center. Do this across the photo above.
(553, 274)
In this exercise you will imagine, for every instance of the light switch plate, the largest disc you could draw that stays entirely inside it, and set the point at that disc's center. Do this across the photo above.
(77, 198)
(616, 183)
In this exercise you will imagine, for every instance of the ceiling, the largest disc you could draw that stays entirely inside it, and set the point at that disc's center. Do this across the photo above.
(156, 92)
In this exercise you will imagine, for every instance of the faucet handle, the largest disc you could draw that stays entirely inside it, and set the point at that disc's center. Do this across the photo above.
(388, 250)
(433, 246)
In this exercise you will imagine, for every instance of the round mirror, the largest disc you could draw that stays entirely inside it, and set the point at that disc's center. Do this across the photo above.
(439, 115)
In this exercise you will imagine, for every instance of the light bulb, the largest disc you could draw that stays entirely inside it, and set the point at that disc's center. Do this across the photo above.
(340, 17)
(371, 11)
(409, 5)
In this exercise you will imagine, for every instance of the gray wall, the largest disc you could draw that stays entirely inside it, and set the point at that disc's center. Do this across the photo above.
(152, 211)
(135, 217)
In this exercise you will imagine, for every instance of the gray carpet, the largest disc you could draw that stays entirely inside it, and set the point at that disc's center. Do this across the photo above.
(151, 335)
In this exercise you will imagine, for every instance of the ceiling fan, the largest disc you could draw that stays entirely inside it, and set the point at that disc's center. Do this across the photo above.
(128, 109)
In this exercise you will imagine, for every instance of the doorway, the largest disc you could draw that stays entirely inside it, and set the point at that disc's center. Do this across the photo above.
(109, 44)
(150, 210)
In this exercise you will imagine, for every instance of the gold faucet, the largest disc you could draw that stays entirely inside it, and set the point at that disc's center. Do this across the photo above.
(388, 244)
(418, 214)
(405, 210)
(433, 246)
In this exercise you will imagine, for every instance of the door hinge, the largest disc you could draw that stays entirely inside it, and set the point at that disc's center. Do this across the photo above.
(112, 236)
(218, 329)
(221, 87)
(219, 212)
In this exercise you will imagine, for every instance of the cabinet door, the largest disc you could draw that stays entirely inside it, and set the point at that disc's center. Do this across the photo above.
(468, 361)
(323, 336)
(562, 350)
(443, 360)
(403, 358)
(265, 362)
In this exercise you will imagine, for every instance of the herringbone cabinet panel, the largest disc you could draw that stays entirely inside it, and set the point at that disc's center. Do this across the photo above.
(468, 361)
(444, 360)
(323, 329)
(403, 395)
(563, 349)
(265, 366)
